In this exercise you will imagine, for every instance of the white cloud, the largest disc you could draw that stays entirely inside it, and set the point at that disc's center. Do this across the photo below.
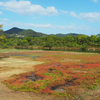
(84, 28)
(0, 12)
(64, 12)
(96, 1)
(36, 17)
(38, 25)
(73, 14)
(31, 25)
(5, 19)
(91, 16)
(26, 8)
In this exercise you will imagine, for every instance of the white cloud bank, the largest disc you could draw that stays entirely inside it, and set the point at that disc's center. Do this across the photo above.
(91, 16)
(26, 8)
(0, 12)
(71, 28)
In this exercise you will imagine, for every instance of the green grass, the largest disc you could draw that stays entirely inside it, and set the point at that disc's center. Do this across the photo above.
(12, 50)
(93, 87)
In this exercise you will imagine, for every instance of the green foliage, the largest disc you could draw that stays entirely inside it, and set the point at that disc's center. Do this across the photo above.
(22, 43)
(3, 40)
(49, 45)
(59, 94)
(97, 80)
(27, 39)
(98, 35)
(60, 73)
(0, 28)
(93, 87)
(51, 74)
(93, 38)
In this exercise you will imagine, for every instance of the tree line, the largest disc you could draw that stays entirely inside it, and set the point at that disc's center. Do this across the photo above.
(80, 41)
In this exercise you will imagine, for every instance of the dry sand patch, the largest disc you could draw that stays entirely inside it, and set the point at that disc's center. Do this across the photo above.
(11, 66)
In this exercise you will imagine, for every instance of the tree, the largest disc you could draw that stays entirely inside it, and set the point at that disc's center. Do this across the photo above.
(3, 39)
(49, 45)
(0, 28)
(98, 35)
(68, 39)
(81, 39)
(28, 38)
(22, 43)
(93, 38)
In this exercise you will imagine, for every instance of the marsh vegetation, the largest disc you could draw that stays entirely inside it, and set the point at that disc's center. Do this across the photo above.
(64, 75)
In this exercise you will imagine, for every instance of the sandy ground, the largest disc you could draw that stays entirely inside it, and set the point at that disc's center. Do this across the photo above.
(13, 66)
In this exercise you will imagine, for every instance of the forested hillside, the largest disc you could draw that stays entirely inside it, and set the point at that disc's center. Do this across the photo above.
(17, 32)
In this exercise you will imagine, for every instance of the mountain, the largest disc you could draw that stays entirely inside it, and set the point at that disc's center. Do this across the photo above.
(13, 30)
(17, 32)
(32, 33)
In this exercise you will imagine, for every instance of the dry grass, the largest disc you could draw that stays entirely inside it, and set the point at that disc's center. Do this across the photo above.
(70, 60)
(11, 66)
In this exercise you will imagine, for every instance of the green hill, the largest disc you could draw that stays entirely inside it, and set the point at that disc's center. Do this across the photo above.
(17, 32)
(32, 33)
(13, 32)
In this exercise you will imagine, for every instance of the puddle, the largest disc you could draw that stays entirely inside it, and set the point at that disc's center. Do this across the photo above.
(35, 57)
(81, 65)
(25, 55)
(58, 89)
(63, 88)
(50, 70)
(31, 77)
(19, 55)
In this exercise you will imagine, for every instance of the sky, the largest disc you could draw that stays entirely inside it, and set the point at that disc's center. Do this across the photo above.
(52, 16)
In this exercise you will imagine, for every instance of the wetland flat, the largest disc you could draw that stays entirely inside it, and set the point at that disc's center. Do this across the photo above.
(60, 76)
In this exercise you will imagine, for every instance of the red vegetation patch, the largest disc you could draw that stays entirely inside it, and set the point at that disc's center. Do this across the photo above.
(56, 74)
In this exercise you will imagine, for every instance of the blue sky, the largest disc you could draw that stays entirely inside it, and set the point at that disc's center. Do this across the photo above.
(52, 16)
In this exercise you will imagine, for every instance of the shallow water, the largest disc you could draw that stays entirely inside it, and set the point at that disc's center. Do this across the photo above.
(35, 57)
(63, 88)
(32, 77)
(81, 65)
(19, 55)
